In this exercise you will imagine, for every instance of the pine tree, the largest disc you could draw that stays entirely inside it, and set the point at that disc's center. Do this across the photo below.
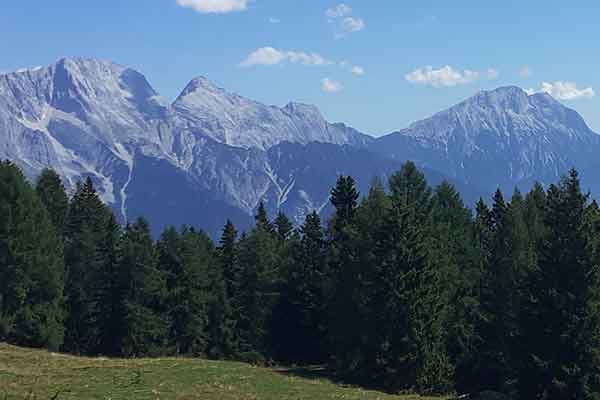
(145, 327)
(299, 330)
(52, 193)
(262, 219)
(85, 256)
(258, 259)
(31, 266)
(344, 197)
(108, 291)
(561, 319)
(283, 227)
(511, 258)
(229, 309)
(343, 311)
(409, 188)
(190, 293)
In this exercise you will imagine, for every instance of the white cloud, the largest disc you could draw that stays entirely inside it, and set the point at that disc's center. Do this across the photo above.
(341, 10)
(358, 70)
(344, 22)
(215, 6)
(525, 72)
(443, 77)
(330, 86)
(564, 91)
(493, 74)
(272, 56)
(274, 20)
(351, 24)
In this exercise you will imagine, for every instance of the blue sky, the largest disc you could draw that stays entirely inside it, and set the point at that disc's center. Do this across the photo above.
(377, 65)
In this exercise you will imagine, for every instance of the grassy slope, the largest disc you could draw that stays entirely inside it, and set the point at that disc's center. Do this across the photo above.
(34, 374)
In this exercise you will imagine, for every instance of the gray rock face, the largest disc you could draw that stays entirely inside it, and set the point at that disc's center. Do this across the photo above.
(233, 120)
(213, 155)
(501, 138)
(85, 117)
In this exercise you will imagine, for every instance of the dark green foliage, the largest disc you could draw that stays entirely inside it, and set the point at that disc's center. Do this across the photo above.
(257, 289)
(31, 266)
(145, 326)
(262, 219)
(51, 192)
(283, 226)
(344, 197)
(405, 290)
(561, 324)
(109, 291)
(187, 258)
(86, 255)
(299, 328)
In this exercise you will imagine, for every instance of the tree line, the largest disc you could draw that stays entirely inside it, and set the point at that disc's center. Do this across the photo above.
(404, 288)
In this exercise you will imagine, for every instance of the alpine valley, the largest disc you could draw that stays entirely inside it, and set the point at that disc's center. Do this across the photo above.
(213, 155)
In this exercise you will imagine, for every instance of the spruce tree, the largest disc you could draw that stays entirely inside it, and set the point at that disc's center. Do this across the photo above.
(229, 310)
(31, 266)
(85, 255)
(108, 292)
(344, 198)
(283, 226)
(51, 192)
(145, 326)
(262, 219)
(190, 293)
(561, 320)
(258, 259)
(299, 330)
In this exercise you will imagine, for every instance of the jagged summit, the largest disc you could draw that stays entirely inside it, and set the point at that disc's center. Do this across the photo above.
(229, 118)
(502, 137)
(503, 112)
(91, 118)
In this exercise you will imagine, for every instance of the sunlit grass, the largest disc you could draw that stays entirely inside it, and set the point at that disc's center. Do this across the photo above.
(34, 374)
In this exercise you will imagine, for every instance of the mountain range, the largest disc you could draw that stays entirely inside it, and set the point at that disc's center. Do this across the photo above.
(213, 155)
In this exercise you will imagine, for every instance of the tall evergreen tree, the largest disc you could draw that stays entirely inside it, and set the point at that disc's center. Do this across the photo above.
(31, 266)
(300, 319)
(262, 219)
(145, 327)
(230, 270)
(258, 259)
(108, 292)
(51, 192)
(344, 198)
(85, 256)
(561, 324)
(190, 294)
(283, 226)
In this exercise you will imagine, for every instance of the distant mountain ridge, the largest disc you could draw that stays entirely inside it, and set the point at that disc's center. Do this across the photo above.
(499, 138)
(212, 154)
(85, 117)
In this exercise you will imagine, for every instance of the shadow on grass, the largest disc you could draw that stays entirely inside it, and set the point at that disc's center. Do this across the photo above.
(323, 372)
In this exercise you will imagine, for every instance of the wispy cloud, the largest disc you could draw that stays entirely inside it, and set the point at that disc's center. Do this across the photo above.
(354, 69)
(345, 23)
(331, 86)
(352, 24)
(443, 77)
(341, 10)
(271, 56)
(564, 91)
(493, 74)
(357, 70)
(215, 6)
(525, 72)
